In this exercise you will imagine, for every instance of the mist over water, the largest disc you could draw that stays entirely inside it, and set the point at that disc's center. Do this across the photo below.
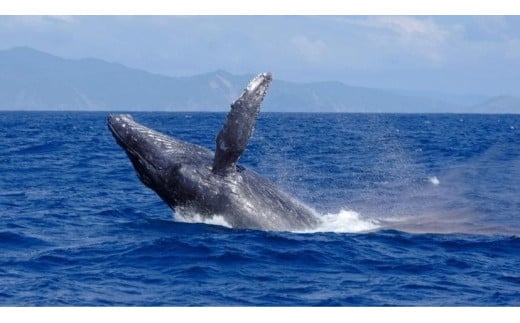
(418, 173)
(415, 209)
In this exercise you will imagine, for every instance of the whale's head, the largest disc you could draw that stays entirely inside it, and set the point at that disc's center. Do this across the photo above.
(162, 163)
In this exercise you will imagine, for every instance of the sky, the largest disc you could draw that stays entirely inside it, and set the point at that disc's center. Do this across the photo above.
(448, 54)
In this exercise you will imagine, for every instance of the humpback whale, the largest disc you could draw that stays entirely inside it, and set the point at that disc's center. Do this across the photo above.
(194, 180)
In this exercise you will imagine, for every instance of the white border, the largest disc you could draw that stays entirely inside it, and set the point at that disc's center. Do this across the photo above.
(259, 7)
(261, 314)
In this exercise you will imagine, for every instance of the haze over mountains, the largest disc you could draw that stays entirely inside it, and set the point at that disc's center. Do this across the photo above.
(34, 80)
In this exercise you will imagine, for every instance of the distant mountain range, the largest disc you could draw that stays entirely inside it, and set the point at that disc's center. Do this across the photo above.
(34, 80)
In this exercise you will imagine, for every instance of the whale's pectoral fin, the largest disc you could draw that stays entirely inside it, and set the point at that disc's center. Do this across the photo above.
(234, 136)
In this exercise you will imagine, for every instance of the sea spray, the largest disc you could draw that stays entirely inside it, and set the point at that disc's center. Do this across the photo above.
(344, 221)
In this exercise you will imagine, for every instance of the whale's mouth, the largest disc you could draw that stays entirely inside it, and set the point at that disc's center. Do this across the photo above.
(129, 135)
(150, 152)
(134, 137)
(117, 125)
(126, 134)
(153, 154)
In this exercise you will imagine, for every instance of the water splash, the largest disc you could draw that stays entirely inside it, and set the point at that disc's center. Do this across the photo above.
(345, 221)
(189, 216)
(434, 180)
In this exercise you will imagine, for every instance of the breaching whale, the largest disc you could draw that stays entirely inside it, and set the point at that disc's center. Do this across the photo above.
(193, 180)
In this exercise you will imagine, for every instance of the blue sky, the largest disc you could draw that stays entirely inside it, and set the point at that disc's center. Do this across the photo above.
(452, 54)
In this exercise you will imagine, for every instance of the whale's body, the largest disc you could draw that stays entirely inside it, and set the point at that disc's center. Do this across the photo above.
(193, 180)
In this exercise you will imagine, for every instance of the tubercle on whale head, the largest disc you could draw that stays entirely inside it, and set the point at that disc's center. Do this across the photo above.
(119, 125)
(144, 147)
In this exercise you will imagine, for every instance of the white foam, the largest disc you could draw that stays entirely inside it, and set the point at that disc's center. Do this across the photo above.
(192, 217)
(345, 221)
(434, 180)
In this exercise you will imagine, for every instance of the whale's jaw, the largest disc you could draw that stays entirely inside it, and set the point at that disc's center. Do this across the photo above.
(159, 160)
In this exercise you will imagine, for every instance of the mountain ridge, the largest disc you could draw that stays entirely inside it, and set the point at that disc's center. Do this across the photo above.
(34, 80)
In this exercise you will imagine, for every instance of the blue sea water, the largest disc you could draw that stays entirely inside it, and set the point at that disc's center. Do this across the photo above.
(419, 210)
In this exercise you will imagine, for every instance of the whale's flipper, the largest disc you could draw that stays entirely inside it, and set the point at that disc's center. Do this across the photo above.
(234, 136)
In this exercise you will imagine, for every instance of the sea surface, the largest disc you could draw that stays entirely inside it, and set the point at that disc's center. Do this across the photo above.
(418, 210)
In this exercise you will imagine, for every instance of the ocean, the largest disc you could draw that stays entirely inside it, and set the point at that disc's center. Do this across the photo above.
(418, 210)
